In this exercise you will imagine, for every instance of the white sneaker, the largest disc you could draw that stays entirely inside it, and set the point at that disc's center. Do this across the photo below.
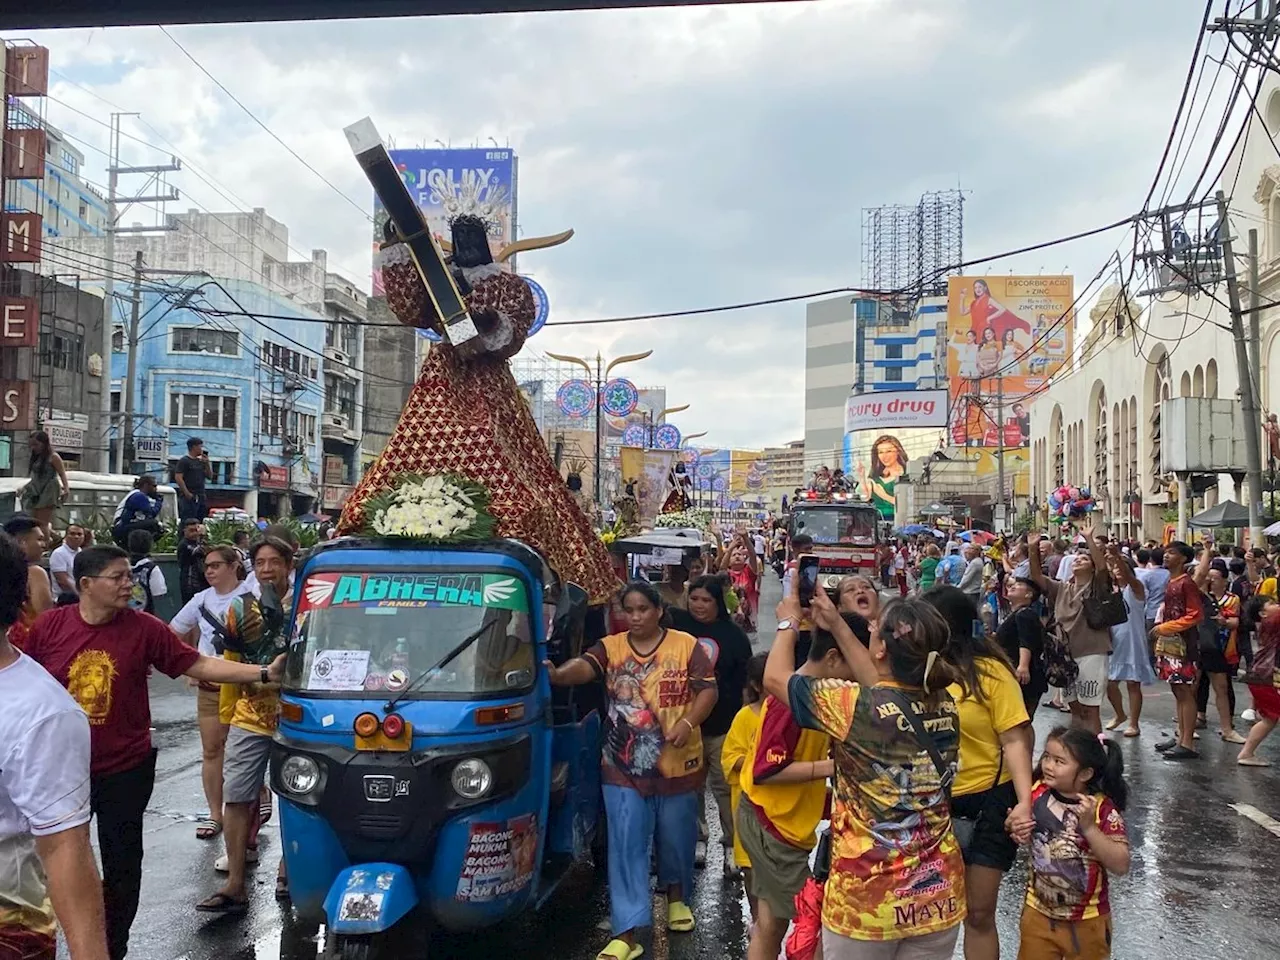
(222, 864)
(700, 854)
(1250, 714)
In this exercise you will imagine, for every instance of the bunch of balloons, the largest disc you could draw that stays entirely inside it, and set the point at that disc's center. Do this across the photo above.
(1070, 503)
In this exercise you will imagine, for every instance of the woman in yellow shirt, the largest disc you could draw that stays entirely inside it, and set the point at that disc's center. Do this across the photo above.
(740, 743)
(994, 780)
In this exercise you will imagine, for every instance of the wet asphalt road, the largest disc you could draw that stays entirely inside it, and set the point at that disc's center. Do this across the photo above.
(1202, 884)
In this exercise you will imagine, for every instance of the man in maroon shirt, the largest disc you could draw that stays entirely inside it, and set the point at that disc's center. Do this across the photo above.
(101, 651)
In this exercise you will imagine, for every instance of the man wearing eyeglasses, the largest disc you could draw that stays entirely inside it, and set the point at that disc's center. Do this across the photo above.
(100, 650)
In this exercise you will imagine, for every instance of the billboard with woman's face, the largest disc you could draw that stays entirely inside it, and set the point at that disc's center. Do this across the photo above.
(1005, 335)
(878, 475)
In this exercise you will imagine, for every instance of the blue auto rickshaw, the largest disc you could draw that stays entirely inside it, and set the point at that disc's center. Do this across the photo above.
(426, 771)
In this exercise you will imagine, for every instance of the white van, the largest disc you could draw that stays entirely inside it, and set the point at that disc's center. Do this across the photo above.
(93, 501)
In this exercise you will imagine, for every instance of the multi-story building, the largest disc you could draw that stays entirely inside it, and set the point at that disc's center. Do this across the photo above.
(69, 207)
(253, 248)
(390, 362)
(786, 471)
(60, 381)
(342, 425)
(252, 390)
(1100, 424)
(859, 345)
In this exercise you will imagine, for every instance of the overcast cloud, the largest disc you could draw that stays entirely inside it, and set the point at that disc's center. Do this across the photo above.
(703, 156)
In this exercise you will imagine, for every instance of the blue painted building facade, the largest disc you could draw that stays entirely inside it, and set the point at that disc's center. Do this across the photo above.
(902, 356)
(251, 389)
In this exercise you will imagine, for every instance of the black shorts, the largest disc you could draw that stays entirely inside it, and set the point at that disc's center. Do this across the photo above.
(991, 845)
(1212, 660)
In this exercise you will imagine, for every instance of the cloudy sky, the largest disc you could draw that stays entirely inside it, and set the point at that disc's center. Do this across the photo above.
(704, 156)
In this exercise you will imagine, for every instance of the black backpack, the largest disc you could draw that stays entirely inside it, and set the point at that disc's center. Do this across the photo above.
(140, 594)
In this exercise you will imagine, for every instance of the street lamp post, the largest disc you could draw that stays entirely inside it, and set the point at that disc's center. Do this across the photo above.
(599, 376)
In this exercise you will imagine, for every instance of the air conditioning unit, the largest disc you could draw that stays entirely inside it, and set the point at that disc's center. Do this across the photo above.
(337, 356)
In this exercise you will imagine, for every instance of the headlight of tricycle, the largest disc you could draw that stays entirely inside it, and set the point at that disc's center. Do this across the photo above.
(299, 775)
(472, 779)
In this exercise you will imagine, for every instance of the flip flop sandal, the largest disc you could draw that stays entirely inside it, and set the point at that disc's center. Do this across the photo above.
(207, 829)
(224, 904)
(679, 917)
(1253, 762)
(620, 950)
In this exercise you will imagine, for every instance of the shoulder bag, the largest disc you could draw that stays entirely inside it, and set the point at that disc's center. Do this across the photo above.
(1104, 607)
(964, 827)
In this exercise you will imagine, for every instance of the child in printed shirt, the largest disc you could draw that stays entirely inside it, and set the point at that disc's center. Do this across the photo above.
(740, 743)
(1263, 678)
(1077, 838)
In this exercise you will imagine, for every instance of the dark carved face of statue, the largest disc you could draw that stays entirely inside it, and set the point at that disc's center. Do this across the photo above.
(470, 242)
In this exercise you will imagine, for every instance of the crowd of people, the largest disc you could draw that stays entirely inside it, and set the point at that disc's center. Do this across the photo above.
(77, 646)
(879, 765)
(873, 774)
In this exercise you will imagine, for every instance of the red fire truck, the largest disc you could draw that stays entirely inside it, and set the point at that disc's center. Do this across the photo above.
(845, 534)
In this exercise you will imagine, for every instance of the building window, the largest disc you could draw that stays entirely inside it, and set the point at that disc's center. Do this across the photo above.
(340, 396)
(282, 422)
(62, 351)
(117, 339)
(207, 411)
(204, 340)
(115, 401)
(893, 351)
(290, 361)
(893, 375)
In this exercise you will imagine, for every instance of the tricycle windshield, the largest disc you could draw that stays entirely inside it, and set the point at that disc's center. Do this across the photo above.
(369, 633)
(829, 525)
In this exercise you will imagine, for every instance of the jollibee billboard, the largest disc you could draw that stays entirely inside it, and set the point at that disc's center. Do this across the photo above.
(446, 183)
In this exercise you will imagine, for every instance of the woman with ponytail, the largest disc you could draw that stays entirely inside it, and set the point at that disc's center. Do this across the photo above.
(1077, 838)
(993, 785)
(896, 885)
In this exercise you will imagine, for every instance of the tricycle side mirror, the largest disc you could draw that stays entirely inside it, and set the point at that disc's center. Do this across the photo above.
(565, 640)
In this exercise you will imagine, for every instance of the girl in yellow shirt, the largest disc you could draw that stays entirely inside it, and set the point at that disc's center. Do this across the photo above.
(740, 743)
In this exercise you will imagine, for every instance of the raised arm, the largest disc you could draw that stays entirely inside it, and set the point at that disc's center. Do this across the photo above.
(1033, 555)
(826, 615)
(1203, 567)
(1124, 576)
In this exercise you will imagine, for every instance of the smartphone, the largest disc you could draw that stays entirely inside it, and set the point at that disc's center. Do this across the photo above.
(807, 571)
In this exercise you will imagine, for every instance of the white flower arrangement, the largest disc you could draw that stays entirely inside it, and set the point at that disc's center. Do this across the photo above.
(692, 519)
(443, 509)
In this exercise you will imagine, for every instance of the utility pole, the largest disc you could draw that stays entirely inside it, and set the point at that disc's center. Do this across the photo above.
(131, 372)
(114, 213)
(1001, 505)
(1249, 401)
(1255, 335)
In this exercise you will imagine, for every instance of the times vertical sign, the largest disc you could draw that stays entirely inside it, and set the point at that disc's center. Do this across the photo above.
(23, 146)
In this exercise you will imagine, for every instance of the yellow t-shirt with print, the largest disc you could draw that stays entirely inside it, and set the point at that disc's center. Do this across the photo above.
(792, 810)
(250, 706)
(739, 745)
(982, 722)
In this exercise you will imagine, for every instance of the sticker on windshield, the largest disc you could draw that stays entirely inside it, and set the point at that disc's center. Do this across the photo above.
(380, 590)
(339, 670)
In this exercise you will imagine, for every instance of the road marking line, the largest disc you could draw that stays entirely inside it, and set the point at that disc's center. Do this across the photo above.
(1250, 812)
